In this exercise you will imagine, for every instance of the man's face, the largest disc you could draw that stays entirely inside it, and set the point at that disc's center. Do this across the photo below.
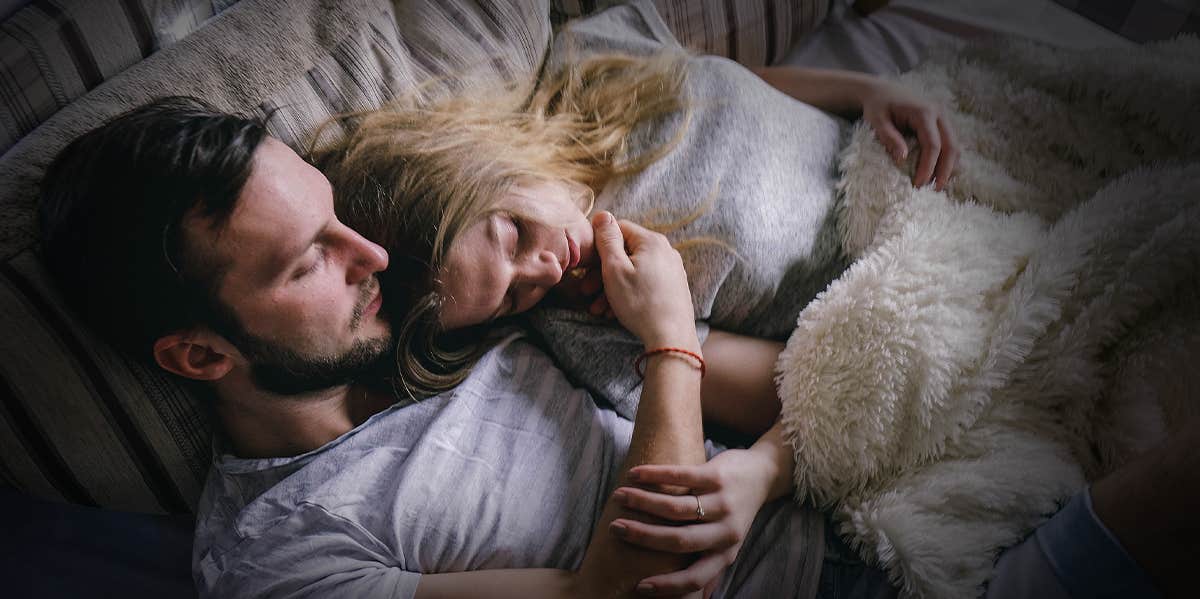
(301, 284)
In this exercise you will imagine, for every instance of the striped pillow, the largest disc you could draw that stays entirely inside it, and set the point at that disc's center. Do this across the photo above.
(78, 421)
(57, 50)
(752, 33)
(83, 424)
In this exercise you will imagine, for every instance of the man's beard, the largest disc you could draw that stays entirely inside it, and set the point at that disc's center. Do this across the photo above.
(283, 371)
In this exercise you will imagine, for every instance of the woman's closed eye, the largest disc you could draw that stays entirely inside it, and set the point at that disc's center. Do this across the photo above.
(513, 238)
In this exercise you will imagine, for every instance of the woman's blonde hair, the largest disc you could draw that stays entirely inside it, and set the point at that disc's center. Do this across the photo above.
(414, 174)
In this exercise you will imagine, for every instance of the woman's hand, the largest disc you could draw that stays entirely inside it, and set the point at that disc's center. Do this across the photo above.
(887, 107)
(731, 488)
(645, 285)
(583, 289)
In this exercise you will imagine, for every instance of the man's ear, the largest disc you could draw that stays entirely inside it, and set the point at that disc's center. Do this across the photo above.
(196, 355)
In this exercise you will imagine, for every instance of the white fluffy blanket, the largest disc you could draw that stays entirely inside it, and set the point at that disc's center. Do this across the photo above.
(996, 346)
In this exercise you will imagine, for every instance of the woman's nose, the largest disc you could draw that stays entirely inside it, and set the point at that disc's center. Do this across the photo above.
(541, 269)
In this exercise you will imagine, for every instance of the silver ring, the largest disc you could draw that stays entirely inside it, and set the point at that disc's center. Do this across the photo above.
(699, 509)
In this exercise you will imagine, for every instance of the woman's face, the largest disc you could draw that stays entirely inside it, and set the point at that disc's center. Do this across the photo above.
(506, 262)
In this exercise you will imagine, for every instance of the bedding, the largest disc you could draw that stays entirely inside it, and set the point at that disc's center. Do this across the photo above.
(1000, 331)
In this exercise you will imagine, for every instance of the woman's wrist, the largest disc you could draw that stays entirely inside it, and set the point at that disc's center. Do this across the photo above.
(681, 335)
(777, 462)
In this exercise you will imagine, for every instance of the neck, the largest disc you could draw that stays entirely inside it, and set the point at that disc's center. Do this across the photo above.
(260, 424)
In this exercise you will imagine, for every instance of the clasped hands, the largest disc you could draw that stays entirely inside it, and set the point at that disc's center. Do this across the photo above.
(731, 488)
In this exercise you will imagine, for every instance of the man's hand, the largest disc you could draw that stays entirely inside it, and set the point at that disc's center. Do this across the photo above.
(887, 107)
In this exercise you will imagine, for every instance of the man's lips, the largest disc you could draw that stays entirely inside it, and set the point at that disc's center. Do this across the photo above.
(373, 307)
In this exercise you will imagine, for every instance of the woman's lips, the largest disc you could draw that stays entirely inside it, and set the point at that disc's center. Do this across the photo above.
(574, 251)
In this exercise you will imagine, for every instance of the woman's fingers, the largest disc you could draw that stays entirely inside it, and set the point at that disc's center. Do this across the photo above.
(889, 136)
(697, 478)
(592, 282)
(677, 508)
(610, 241)
(930, 137)
(599, 306)
(697, 576)
(711, 536)
(949, 154)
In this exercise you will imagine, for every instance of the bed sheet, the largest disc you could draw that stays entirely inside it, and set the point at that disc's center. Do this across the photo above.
(896, 37)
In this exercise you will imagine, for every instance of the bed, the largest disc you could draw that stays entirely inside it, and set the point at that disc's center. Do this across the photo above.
(127, 446)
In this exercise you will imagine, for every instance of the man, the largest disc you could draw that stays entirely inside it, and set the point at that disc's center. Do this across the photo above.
(192, 237)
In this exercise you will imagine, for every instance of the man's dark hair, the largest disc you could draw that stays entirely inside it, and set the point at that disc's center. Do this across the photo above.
(112, 210)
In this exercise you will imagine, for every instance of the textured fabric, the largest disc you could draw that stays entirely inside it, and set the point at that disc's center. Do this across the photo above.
(84, 424)
(1141, 20)
(766, 162)
(1087, 557)
(994, 323)
(55, 51)
(752, 33)
(1072, 555)
(508, 470)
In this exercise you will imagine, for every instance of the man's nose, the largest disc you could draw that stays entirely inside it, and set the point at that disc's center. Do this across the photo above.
(366, 258)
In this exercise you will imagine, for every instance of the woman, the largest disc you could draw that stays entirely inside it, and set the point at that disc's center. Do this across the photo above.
(482, 202)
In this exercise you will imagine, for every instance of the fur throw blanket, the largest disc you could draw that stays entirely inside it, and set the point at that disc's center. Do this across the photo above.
(996, 346)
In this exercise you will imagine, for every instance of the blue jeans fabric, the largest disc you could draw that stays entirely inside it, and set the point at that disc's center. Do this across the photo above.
(845, 576)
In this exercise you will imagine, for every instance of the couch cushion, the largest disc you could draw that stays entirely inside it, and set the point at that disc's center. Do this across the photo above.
(55, 51)
(82, 423)
(752, 33)
(79, 421)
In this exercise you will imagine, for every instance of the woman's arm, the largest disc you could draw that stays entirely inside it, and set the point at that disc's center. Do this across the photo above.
(836, 91)
(731, 488)
(647, 290)
(738, 392)
(887, 107)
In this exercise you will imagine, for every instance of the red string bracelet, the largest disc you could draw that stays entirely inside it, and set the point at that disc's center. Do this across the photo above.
(637, 364)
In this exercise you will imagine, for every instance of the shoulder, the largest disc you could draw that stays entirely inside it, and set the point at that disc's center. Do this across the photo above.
(292, 557)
